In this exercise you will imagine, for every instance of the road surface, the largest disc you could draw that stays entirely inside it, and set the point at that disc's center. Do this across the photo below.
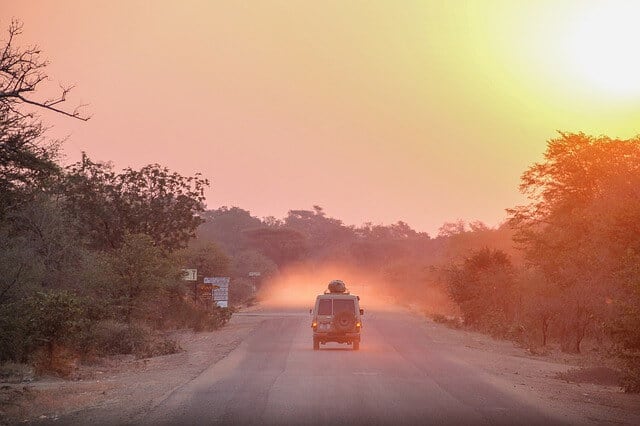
(401, 375)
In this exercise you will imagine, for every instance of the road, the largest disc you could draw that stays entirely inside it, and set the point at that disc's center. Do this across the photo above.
(401, 375)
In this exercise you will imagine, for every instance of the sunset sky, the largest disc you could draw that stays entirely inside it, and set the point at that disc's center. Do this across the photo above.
(424, 111)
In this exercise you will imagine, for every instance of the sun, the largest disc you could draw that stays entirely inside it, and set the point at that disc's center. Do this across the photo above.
(604, 46)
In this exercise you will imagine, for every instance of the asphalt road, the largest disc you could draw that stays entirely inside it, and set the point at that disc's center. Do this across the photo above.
(401, 375)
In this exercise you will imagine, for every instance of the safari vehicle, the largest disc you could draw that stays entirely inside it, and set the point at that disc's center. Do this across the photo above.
(337, 317)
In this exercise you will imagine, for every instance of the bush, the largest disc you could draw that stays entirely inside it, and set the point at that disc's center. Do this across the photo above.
(112, 338)
(450, 321)
(482, 286)
(208, 319)
(44, 319)
(241, 291)
(630, 371)
(198, 317)
(15, 344)
(220, 316)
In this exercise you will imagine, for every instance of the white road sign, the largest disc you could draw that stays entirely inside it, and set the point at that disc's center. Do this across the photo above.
(190, 274)
(220, 290)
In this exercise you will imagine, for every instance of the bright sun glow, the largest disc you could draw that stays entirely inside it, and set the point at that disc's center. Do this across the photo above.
(603, 45)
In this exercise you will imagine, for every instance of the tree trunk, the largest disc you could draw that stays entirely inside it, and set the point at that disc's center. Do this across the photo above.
(545, 328)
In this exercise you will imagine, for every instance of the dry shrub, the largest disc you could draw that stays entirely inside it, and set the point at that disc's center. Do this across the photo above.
(449, 321)
(631, 372)
(597, 375)
(55, 359)
(12, 372)
(113, 337)
(198, 317)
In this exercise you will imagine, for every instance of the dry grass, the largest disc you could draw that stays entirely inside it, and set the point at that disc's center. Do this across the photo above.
(597, 375)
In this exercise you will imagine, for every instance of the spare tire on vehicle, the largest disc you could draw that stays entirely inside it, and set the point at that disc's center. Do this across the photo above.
(344, 321)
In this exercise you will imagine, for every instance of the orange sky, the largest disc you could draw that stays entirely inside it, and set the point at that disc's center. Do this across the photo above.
(376, 110)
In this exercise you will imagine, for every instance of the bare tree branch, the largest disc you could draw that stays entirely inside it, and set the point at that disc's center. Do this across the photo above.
(12, 283)
(21, 71)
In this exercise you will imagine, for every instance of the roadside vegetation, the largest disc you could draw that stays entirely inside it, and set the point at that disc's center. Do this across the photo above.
(91, 256)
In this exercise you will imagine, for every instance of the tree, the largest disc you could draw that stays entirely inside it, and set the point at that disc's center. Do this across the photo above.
(21, 71)
(207, 258)
(540, 305)
(283, 245)
(142, 274)
(153, 201)
(580, 225)
(40, 249)
(323, 233)
(483, 287)
(27, 161)
(225, 227)
(449, 229)
(253, 261)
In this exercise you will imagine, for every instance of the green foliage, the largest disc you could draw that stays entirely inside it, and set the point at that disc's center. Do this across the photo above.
(114, 337)
(84, 251)
(40, 249)
(581, 226)
(41, 319)
(322, 233)
(53, 316)
(27, 160)
(483, 288)
(253, 261)
(283, 245)
(142, 275)
(225, 227)
(153, 201)
(207, 258)
(185, 314)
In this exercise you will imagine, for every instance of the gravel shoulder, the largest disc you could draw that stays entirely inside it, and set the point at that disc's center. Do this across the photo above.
(570, 385)
(121, 390)
(118, 389)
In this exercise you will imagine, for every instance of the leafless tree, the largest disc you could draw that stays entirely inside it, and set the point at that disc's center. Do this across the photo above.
(21, 71)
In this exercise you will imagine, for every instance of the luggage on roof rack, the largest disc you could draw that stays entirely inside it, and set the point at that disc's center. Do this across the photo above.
(337, 286)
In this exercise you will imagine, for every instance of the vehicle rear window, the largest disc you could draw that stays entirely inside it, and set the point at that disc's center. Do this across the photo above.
(324, 307)
(341, 305)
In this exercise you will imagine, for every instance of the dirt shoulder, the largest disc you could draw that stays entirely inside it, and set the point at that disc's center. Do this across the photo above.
(99, 391)
(579, 388)
(119, 390)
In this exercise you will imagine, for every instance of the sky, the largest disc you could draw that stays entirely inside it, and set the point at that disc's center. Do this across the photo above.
(378, 111)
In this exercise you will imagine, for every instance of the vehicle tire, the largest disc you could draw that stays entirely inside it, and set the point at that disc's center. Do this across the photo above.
(344, 321)
(316, 344)
(356, 345)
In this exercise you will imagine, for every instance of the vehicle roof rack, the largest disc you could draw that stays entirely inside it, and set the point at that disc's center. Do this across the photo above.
(346, 291)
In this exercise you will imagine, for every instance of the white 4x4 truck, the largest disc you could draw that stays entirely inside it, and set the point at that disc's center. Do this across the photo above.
(337, 317)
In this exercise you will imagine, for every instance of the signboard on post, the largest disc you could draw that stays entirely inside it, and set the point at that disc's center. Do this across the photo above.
(190, 274)
(205, 293)
(220, 290)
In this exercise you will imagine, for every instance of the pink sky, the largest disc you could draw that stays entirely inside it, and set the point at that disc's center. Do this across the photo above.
(426, 112)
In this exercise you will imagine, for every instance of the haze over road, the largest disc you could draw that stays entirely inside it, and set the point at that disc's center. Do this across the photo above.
(401, 375)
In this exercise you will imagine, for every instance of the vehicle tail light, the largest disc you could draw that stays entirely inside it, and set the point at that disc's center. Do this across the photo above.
(358, 324)
(314, 325)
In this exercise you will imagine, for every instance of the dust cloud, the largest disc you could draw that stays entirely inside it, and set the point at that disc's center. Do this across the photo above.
(297, 287)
